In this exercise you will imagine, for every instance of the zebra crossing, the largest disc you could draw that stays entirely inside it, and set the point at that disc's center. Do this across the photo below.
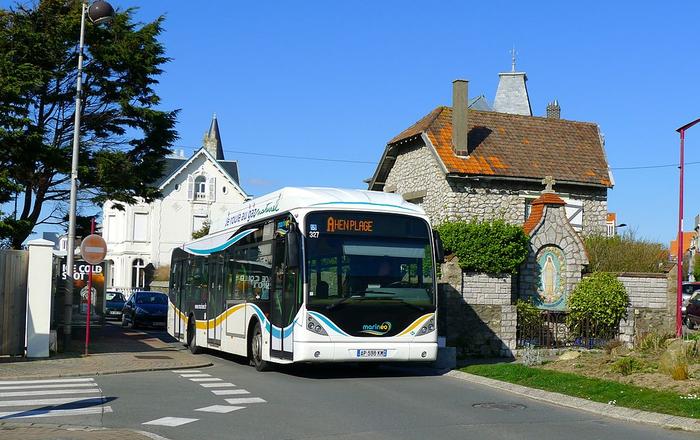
(21, 399)
(218, 388)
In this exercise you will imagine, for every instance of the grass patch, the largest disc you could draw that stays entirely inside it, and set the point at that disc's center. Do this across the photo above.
(597, 390)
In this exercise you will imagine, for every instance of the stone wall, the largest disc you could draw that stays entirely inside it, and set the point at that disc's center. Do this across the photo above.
(417, 170)
(477, 312)
(651, 304)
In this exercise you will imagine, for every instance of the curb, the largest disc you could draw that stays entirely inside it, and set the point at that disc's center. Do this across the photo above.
(105, 373)
(94, 429)
(626, 414)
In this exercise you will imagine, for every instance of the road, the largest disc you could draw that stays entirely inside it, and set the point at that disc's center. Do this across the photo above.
(230, 400)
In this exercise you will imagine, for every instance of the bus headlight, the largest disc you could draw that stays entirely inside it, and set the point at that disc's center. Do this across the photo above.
(313, 326)
(426, 328)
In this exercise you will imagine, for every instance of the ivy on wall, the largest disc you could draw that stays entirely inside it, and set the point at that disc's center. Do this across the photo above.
(490, 247)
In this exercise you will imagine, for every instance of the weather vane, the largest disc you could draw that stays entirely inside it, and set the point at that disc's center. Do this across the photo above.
(513, 53)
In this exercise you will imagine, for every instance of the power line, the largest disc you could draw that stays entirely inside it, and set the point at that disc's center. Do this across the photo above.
(328, 159)
(284, 156)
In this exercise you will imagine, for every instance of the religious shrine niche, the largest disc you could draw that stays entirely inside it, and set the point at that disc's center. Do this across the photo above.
(551, 286)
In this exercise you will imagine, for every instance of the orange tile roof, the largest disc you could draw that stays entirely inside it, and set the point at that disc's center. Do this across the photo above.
(537, 210)
(502, 144)
(612, 217)
(687, 237)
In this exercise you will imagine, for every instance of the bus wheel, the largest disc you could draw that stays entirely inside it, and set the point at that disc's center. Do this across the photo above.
(256, 349)
(191, 338)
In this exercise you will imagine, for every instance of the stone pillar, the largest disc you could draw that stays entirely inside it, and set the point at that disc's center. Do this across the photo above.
(39, 298)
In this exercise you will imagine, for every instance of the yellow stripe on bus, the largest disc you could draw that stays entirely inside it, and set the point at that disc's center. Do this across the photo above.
(416, 323)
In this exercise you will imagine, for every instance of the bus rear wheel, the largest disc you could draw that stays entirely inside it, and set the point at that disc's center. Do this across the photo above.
(256, 349)
(192, 338)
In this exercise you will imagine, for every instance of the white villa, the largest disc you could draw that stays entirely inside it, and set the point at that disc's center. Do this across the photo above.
(194, 190)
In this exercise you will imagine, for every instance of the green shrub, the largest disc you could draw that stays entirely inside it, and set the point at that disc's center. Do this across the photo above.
(491, 247)
(625, 253)
(528, 314)
(627, 366)
(598, 302)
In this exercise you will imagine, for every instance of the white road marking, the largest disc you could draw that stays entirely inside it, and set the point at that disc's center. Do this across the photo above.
(170, 421)
(229, 392)
(48, 392)
(187, 371)
(58, 401)
(196, 375)
(205, 379)
(55, 412)
(32, 382)
(217, 385)
(47, 386)
(241, 400)
(220, 408)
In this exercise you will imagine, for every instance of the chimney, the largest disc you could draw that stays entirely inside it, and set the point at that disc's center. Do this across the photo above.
(553, 110)
(460, 123)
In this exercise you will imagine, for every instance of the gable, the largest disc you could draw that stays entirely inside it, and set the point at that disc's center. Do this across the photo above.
(203, 160)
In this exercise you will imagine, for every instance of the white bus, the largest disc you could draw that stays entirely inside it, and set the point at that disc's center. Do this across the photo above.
(311, 275)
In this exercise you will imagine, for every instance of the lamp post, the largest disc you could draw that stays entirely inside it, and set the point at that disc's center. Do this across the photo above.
(98, 12)
(679, 274)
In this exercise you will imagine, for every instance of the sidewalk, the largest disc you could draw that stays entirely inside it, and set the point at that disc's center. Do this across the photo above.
(38, 431)
(113, 350)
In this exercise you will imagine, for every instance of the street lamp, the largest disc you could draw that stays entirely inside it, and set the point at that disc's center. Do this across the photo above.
(679, 274)
(98, 12)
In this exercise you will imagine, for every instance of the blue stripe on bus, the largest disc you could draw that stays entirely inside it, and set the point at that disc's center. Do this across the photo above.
(221, 247)
(328, 322)
(365, 203)
(276, 332)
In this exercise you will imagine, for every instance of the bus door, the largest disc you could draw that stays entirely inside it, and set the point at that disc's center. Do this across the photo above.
(284, 302)
(176, 295)
(215, 305)
(235, 285)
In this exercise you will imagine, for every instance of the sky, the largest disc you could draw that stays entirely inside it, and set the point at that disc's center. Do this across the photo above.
(337, 80)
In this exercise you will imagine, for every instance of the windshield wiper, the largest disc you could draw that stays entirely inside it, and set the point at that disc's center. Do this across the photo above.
(406, 303)
(341, 302)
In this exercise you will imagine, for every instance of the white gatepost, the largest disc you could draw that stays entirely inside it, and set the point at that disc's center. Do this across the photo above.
(39, 298)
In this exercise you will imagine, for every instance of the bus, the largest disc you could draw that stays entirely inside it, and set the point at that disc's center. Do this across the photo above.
(311, 275)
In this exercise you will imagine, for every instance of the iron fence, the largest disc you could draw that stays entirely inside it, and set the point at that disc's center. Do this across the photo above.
(552, 331)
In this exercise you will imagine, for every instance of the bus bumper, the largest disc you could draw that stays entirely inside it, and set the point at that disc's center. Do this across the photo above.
(364, 352)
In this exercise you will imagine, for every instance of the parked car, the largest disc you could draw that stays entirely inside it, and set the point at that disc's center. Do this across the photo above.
(688, 289)
(114, 305)
(692, 317)
(145, 309)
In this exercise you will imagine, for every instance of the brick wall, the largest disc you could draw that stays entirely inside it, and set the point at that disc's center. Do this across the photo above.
(652, 304)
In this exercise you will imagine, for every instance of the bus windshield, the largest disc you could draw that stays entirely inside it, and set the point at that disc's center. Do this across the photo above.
(368, 258)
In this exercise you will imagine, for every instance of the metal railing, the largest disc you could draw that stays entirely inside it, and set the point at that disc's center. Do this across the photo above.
(552, 331)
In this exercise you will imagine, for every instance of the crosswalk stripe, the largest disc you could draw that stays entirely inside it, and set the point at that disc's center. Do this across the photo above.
(48, 392)
(32, 382)
(55, 412)
(47, 386)
(186, 371)
(229, 392)
(58, 401)
(222, 409)
(217, 384)
(241, 400)
(196, 375)
(170, 421)
(205, 379)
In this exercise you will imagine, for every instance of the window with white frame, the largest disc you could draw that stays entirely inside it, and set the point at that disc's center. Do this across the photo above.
(112, 228)
(138, 273)
(201, 188)
(198, 222)
(140, 226)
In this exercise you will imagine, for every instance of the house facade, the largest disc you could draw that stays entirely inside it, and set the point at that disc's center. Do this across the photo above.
(469, 161)
(194, 189)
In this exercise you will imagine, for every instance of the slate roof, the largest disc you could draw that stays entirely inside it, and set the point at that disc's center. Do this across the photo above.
(171, 165)
(515, 146)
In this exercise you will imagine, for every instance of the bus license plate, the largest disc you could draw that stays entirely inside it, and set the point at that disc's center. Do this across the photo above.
(371, 353)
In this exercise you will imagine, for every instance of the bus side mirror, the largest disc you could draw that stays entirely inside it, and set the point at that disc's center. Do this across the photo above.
(293, 247)
(439, 251)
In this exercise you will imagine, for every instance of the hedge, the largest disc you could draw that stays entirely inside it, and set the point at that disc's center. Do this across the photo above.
(491, 247)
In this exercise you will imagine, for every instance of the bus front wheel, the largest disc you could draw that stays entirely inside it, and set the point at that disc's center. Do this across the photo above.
(256, 349)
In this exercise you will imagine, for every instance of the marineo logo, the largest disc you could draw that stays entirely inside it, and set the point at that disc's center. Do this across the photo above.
(376, 329)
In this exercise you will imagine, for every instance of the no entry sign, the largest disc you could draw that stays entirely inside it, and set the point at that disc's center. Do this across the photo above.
(93, 249)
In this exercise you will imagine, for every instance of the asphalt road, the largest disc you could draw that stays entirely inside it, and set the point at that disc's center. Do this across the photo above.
(337, 402)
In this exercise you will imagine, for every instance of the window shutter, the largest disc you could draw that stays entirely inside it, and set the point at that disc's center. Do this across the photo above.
(212, 189)
(190, 187)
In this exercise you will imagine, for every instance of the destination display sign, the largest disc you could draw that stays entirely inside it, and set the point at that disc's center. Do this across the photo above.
(330, 223)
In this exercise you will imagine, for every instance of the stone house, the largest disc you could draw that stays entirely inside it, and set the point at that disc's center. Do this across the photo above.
(472, 162)
(194, 189)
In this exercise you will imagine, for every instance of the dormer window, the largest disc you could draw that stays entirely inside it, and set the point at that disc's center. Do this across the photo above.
(201, 188)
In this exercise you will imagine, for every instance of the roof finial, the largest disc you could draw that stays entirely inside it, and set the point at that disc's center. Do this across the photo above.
(513, 53)
(548, 183)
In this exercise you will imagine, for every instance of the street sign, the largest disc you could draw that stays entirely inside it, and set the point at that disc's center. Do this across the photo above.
(93, 249)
